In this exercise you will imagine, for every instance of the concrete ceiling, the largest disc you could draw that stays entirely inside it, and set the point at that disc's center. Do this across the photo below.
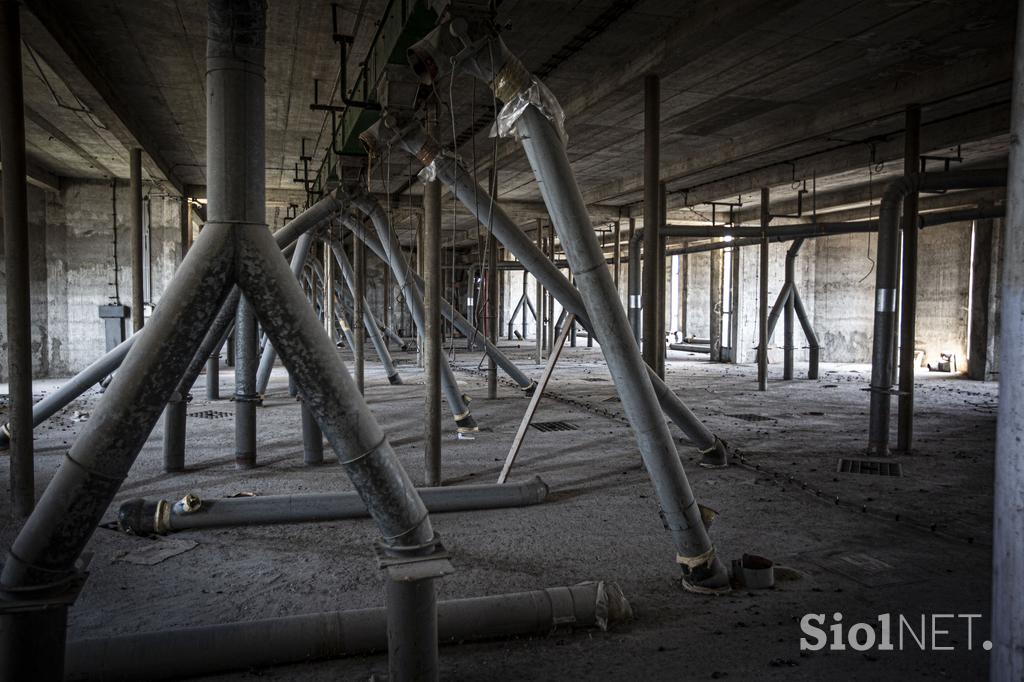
(753, 92)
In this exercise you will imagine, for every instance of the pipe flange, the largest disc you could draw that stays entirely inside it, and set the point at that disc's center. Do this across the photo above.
(395, 379)
(415, 562)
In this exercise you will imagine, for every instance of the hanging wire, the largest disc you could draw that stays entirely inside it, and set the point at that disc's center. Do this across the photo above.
(872, 169)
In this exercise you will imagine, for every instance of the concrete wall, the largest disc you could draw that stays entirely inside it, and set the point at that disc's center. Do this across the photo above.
(71, 250)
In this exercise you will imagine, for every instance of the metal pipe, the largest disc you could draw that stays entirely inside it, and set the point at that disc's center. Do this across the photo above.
(787, 325)
(762, 325)
(213, 375)
(299, 256)
(492, 296)
(175, 413)
(390, 251)
(545, 151)
(652, 215)
(526, 304)
(358, 316)
(16, 261)
(778, 308)
(886, 280)
(329, 289)
(908, 287)
(1006, 662)
(182, 653)
(73, 387)
(432, 341)
(689, 348)
(663, 273)
(236, 168)
(617, 255)
(153, 516)
(447, 309)
(539, 318)
(494, 218)
(635, 283)
(812, 338)
(246, 364)
(373, 329)
(135, 201)
(312, 439)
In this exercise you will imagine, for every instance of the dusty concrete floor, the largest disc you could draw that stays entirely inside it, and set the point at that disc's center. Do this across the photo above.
(601, 522)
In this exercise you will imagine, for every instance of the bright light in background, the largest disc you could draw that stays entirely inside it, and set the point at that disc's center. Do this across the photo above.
(727, 238)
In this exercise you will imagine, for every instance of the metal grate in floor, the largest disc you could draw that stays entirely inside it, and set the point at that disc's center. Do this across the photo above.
(554, 426)
(751, 417)
(868, 466)
(211, 414)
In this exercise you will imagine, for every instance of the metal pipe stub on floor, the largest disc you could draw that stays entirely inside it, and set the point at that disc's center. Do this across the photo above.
(191, 652)
(145, 517)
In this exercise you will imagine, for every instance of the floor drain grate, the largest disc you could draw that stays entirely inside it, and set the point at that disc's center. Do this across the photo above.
(751, 417)
(211, 414)
(867, 466)
(554, 426)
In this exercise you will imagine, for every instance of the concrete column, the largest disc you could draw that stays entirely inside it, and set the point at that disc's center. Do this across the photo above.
(981, 275)
(762, 317)
(652, 214)
(15, 219)
(432, 276)
(908, 288)
(138, 305)
(715, 304)
(358, 316)
(1006, 662)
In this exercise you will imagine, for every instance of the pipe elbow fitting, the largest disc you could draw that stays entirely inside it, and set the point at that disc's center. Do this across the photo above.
(144, 517)
(716, 457)
(466, 423)
(531, 389)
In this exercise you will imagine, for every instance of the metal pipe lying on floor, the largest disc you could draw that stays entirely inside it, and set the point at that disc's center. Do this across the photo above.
(145, 517)
(211, 649)
(689, 347)
(75, 386)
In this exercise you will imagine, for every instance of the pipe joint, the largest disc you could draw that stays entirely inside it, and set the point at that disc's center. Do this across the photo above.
(413, 563)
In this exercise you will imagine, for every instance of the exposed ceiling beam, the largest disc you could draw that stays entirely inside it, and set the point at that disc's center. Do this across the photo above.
(973, 126)
(37, 176)
(103, 96)
(825, 120)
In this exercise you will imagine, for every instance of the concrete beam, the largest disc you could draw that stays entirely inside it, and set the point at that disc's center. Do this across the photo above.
(983, 124)
(37, 176)
(822, 124)
(104, 97)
